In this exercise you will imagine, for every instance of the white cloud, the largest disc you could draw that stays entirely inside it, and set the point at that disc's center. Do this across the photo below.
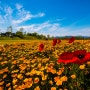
(24, 15)
(40, 15)
(44, 28)
(8, 10)
(15, 16)
(55, 29)
(27, 17)
(18, 6)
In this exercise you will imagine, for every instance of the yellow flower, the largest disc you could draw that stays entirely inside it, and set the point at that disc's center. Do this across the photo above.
(82, 66)
(51, 82)
(39, 65)
(53, 71)
(15, 86)
(15, 71)
(20, 76)
(14, 81)
(44, 77)
(64, 78)
(65, 89)
(37, 88)
(73, 76)
(60, 89)
(59, 82)
(14, 75)
(1, 49)
(29, 79)
(23, 86)
(7, 85)
(0, 58)
(1, 71)
(56, 78)
(88, 62)
(26, 80)
(1, 87)
(1, 83)
(4, 76)
(59, 72)
(53, 88)
(42, 83)
(36, 80)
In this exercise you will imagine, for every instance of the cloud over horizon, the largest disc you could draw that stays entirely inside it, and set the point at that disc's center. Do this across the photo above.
(19, 17)
(15, 16)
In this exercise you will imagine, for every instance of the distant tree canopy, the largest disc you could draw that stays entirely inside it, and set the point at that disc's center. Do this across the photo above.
(23, 35)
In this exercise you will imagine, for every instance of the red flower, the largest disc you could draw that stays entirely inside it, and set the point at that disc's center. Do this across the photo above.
(54, 41)
(73, 60)
(54, 44)
(80, 53)
(41, 47)
(71, 39)
(82, 56)
(67, 57)
(77, 57)
(58, 41)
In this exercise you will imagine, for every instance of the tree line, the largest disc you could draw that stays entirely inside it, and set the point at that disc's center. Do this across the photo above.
(23, 35)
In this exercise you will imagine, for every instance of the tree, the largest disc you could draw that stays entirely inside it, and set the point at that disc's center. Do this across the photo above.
(19, 34)
(21, 30)
(9, 31)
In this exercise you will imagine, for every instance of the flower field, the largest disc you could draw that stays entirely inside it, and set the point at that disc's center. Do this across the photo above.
(45, 65)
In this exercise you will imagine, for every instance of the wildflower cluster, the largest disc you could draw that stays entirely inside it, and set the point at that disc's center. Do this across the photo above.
(45, 65)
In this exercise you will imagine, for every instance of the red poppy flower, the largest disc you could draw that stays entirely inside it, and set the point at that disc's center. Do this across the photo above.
(80, 53)
(71, 39)
(77, 57)
(82, 56)
(54, 44)
(54, 41)
(58, 41)
(41, 47)
(67, 57)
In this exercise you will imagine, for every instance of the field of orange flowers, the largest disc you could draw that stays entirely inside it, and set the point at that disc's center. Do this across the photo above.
(29, 66)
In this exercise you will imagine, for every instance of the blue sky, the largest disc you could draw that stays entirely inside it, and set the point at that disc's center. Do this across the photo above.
(53, 17)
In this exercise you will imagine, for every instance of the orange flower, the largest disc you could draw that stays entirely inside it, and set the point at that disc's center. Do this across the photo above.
(73, 76)
(88, 62)
(7, 85)
(37, 88)
(1, 49)
(0, 58)
(59, 72)
(36, 80)
(59, 82)
(44, 77)
(53, 88)
(56, 78)
(20, 76)
(1, 87)
(26, 80)
(1, 83)
(4, 76)
(51, 82)
(64, 78)
(14, 81)
(82, 66)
